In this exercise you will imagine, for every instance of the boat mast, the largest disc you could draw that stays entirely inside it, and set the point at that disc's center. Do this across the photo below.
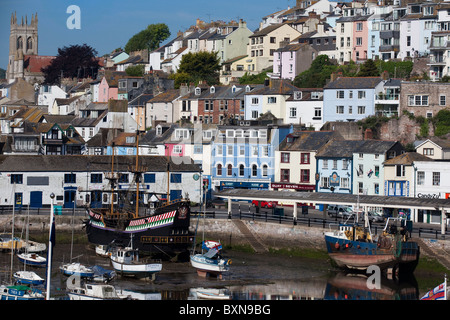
(168, 175)
(137, 174)
(112, 176)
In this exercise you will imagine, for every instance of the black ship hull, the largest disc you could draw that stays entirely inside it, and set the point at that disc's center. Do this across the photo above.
(166, 232)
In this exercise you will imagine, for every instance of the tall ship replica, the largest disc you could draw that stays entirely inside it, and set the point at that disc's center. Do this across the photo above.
(164, 230)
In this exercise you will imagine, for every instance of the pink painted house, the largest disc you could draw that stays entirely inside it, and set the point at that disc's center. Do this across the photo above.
(108, 89)
(360, 39)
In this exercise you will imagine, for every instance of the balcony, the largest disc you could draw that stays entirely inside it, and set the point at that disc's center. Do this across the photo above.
(437, 60)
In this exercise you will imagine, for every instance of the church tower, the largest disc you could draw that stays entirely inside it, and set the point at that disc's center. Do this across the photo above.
(23, 40)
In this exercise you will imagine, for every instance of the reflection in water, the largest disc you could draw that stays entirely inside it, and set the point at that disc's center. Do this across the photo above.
(358, 287)
(252, 277)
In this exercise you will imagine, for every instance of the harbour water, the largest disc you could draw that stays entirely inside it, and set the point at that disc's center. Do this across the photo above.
(252, 277)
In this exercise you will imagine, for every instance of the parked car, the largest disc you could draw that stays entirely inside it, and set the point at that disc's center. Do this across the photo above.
(375, 216)
(339, 211)
(264, 204)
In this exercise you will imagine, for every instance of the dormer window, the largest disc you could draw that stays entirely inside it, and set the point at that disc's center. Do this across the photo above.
(297, 95)
(198, 91)
(212, 89)
(247, 89)
(158, 130)
(130, 139)
(181, 134)
(233, 89)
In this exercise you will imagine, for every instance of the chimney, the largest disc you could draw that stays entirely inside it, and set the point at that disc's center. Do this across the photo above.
(368, 134)
(385, 75)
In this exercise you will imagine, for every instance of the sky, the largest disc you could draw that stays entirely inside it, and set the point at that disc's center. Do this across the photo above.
(107, 25)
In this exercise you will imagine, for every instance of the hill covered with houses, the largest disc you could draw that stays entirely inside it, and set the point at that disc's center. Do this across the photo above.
(381, 133)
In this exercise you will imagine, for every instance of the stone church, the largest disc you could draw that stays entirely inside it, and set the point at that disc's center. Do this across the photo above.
(24, 61)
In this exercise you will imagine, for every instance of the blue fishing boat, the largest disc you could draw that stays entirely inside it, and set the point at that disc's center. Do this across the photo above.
(20, 292)
(354, 247)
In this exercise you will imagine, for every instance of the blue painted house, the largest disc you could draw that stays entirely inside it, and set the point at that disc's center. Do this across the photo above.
(350, 98)
(244, 156)
(334, 163)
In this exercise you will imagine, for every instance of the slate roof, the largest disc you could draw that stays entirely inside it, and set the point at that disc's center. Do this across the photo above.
(90, 163)
(354, 83)
(168, 96)
(308, 140)
(406, 159)
(339, 149)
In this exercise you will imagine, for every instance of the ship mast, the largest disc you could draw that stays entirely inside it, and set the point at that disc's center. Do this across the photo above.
(138, 177)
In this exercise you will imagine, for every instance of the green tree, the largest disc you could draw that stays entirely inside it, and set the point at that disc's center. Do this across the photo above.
(200, 66)
(135, 71)
(316, 76)
(72, 62)
(442, 122)
(369, 69)
(149, 38)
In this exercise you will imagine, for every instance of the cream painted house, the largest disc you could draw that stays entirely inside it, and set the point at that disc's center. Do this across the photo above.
(434, 148)
(263, 43)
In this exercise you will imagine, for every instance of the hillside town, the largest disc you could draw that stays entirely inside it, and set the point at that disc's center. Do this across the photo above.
(262, 136)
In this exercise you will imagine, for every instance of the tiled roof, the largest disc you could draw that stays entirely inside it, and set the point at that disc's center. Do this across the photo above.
(34, 63)
(308, 140)
(354, 83)
(406, 158)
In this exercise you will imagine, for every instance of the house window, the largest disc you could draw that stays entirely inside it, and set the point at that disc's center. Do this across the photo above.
(219, 169)
(241, 170)
(198, 149)
(285, 157)
(271, 99)
(149, 178)
(361, 94)
(340, 94)
(436, 178)
(255, 114)
(229, 170)
(177, 149)
(325, 164)
(335, 163)
(96, 178)
(304, 175)
(293, 112)
(304, 158)
(428, 151)
(325, 182)
(123, 178)
(242, 150)
(340, 109)
(70, 178)
(264, 170)
(284, 175)
(376, 188)
(255, 151)
(420, 178)
(442, 100)
(175, 177)
(229, 150)
(17, 179)
(219, 150)
(361, 109)
(418, 100)
(400, 170)
(265, 151)
(345, 182)
(360, 188)
(254, 170)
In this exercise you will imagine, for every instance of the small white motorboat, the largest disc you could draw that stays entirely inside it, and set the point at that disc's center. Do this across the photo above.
(32, 259)
(92, 291)
(211, 294)
(28, 277)
(77, 269)
(126, 262)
